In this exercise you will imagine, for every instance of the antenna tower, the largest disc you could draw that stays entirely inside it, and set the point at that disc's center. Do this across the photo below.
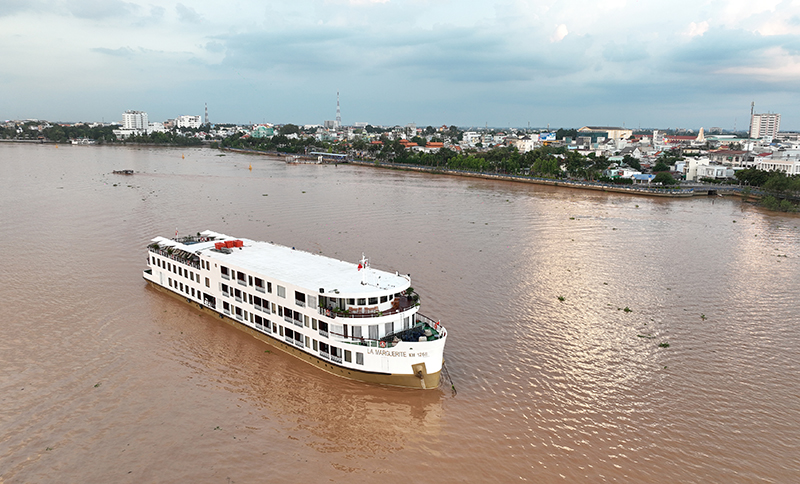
(338, 112)
(206, 120)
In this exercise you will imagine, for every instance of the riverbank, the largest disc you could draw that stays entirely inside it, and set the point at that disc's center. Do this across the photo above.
(576, 184)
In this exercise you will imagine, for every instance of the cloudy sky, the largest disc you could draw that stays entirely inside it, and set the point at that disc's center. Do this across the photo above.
(564, 63)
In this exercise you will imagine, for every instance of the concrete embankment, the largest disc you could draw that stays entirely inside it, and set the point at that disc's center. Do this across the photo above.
(583, 185)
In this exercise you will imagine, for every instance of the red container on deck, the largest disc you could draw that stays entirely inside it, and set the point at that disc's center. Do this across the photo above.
(219, 245)
(238, 243)
(229, 244)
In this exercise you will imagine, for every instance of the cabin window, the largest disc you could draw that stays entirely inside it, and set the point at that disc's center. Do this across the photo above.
(356, 331)
(250, 298)
(192, 292)
(373, 331)
(362, 301)
(280, 330)
(280, 310)
(224, 271)
(250, 280)
(274, 327)
(269, 287)
(300, 298)
(373, 300)
(226, 306)
(348, 356)
(351, 302)
(406, 324)
(314, 324)
(312, 301)
(259, 284)
(169, 281)
(305, 322)
(315, 344)
(281, 291)
(208, 282)
(389, 327)
(384, 299)
(256, 301)
(360, 358)
(307, 341)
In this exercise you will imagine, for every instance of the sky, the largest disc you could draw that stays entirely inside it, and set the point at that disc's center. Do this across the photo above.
(567, 63)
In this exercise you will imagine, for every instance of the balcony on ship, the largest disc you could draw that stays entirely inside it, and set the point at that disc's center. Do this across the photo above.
(333, 308)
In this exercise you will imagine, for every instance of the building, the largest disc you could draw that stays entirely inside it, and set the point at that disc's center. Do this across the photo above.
(765, 125)
(189, 121)
(608, 132)
(136, 120)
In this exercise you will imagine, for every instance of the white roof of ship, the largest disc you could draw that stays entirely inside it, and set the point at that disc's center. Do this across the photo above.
(297, 267)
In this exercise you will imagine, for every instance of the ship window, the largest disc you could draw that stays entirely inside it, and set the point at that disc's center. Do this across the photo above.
(181, 285)
(360, 358)
(223, 270)
(258, 320)
(169, 281)
(289, 333)
(280, 310)
(226, 306)
(299, 296)
(307, 339)
(280, 330)
(384, 299)
(192, 292)
(208, 282)
(237, 293)
(391, 296)
(351, 302)
(315, 344)
(406, 324)
(356, 331)
(274, 327)
(373, 331)
(314, 324)
(281, 291)
(250, 280)
(312, 301)
(362, 301)
(256, 301)
(269, 287)
(348, 356)
(305, 322)
(373, 300)
(389, 327)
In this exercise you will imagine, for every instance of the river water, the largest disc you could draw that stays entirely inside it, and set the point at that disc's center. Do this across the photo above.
(673, 356)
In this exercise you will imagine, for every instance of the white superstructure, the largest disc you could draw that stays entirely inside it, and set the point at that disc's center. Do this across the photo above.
(356, 321)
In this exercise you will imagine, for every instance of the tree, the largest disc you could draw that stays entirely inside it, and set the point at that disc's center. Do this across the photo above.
(660, 167)
(288, 129)
(632, 162)
(664, 178)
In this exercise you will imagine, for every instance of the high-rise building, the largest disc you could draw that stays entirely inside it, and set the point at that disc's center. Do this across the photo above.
(765, 125)
(134, 120)
(188, 121)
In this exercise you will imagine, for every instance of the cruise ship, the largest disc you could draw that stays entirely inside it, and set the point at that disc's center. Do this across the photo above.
(345, 318)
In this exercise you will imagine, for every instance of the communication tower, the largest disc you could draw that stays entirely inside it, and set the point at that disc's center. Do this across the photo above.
(338, 112)
(206, 120)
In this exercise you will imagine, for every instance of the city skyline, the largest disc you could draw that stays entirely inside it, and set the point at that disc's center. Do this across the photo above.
(512, 64)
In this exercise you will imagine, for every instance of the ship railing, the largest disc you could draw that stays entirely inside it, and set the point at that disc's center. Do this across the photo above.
(335, 313)
(238, 299)
(288, 339)
(175, 257)
(324, 333)
(258, 307)
(336, 359)
(260, 289)
(302, 304)
(227, 312)
(239, 317)
(226, 277)
(325, 355)
(297, 323)
(298, 343)
(286, 318)
(241, 282)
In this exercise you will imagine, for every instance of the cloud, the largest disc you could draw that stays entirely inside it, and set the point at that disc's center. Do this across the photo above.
(559, 34)
(188, 14)
(101, 9)
(696, 29)
(121, 52)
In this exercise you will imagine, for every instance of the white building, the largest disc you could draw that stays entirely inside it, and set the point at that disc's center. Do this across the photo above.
(765, 125)
(135, 120)
(189, 121)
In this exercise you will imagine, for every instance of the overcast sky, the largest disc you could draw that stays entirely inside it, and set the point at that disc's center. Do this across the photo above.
(509, 63)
